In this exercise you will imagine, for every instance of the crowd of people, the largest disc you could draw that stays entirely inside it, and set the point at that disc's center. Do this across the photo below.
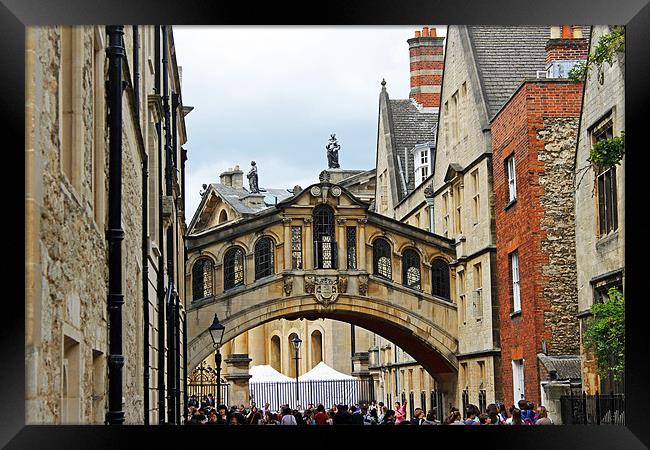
(205, 412)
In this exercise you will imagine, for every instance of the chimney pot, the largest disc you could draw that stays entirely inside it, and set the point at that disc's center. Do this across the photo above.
(417, 34)
(567, 32)
(432, 32)
(425, 31)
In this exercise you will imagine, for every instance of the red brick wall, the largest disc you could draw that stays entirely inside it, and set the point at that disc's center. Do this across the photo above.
(515, 130)
(421, 48)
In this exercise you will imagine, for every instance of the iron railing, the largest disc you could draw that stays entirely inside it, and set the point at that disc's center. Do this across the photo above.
(325, 392)
(593, 409)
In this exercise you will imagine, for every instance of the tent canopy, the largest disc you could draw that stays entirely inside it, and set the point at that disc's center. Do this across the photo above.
(323, 372)
(266, 374)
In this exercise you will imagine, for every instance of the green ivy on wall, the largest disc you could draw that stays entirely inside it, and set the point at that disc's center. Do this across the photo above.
(605, 335)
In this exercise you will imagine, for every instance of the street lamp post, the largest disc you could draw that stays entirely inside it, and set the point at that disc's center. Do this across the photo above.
(296, 345)
(216, 332)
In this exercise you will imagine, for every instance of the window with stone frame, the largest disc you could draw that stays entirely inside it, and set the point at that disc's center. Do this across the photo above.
(202, 279)
(351, 247)
(512, 178)
(606, 182)
(233, 268)
(462, 297)
(381, 255)
(264, 258)
(440, 279)
(603, 284)
(445, 214)
(458, 207)
(411, 269)
(514, 278)
(477, 302)
(70, 82)
(296, 247)
(476, 197)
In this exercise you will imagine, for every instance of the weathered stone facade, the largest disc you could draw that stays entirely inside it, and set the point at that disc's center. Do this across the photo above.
(539, 127)
(67, 172)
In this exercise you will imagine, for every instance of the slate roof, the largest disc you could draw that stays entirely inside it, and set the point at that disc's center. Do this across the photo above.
(233, 196)
(566, 367)
(409, 126)
(505, 56)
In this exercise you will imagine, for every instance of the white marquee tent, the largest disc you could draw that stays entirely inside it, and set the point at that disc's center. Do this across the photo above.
(322, 384)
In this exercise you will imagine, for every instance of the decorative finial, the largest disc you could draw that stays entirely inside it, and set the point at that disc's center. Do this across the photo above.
(383, 82)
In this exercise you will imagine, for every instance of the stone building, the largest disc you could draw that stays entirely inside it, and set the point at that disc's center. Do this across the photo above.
(70, 148)
(599, 201)
(534, 137)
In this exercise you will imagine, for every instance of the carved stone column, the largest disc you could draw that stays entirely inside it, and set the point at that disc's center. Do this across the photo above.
(361, 244)
(287, 243)
(308, 262)
(342, 259)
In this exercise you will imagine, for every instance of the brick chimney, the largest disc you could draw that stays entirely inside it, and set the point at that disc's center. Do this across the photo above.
(427, 61)
(566, 47)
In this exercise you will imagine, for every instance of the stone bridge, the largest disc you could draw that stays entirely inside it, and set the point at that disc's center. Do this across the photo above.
(385, 276)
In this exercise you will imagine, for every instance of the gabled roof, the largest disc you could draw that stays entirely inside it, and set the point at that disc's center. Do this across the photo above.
(410, 126)
(452, 170)
(504, 56)
(565, 367)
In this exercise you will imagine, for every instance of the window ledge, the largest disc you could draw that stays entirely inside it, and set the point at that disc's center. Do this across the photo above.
(510, 204)
(607, 238)
(515, 314)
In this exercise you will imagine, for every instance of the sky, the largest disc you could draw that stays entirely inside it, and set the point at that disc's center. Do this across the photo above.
(274, 95)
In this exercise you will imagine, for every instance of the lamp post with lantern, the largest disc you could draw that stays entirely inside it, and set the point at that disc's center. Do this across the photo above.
(296, 341)
(216, 332)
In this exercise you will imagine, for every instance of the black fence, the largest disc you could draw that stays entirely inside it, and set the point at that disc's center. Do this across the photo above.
(203, 381)
(593, 409)
(327, 392)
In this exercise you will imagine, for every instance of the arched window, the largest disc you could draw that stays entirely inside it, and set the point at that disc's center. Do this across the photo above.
(275, 353)
(223, 216)
(381, 254)
(233, 268)
(316, 348)
(440, 279)
(202, 279)
(325, 250)
(411, 269)
(264, 258)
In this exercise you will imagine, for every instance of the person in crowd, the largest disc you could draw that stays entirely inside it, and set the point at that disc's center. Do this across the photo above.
(454, 418)
(502, 414)
(287, 417)
(431, 418)
(321, 416)
(527, 412)
(371, 418)
(381, 412)
(418, 417)
(400, 412)
(210, 400)
(342, 416)
(357, 417)
(542, 414)
(256, 419)
(471, 415)
(298, 416)
(194, 402)
(516, 417)
(389, 418)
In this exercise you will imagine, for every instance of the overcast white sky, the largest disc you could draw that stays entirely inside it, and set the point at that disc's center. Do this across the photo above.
(274, 94)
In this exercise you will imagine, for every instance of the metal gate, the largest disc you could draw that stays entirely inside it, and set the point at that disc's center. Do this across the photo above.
(203, 381)
(593, 409)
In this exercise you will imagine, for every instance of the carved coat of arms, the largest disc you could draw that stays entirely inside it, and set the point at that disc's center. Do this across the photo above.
(326, 290)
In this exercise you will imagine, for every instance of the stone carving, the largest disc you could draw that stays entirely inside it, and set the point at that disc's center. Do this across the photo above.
(428, 191)
(315, 191)
(310, 282)
(288, 284)
(362, 221)
(203, 191)
(336, 191)
(324, 176)
(343, 283)
(326, 290)
(252, 179)
(286, 220)
(308, 220)
(363, 284)
(341, 220)
(333, 152)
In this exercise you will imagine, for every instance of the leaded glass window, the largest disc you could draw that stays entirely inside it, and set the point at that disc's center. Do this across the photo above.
(263, 258)
(351, 238)
(411, 269)
(324, 244)
(202, 279)
(296, 247)
(381, 254)
(233, 268)
(440, 279)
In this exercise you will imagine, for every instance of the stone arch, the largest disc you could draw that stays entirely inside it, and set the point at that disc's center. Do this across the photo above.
(276, 352)
(380, 234)
(316, 347)
(223, 216)
(431, 345)
(228, 245)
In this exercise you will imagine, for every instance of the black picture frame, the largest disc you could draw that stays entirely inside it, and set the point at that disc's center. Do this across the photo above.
(16, 14)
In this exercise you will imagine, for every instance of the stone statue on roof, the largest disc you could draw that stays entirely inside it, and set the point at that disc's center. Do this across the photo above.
(333, 152)
(252, 179)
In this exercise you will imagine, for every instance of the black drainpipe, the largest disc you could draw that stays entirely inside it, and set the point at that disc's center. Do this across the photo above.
(171, 352)
(161, 257)
(115, 233)
(177, 310)
(183, 159)
(145, 234)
